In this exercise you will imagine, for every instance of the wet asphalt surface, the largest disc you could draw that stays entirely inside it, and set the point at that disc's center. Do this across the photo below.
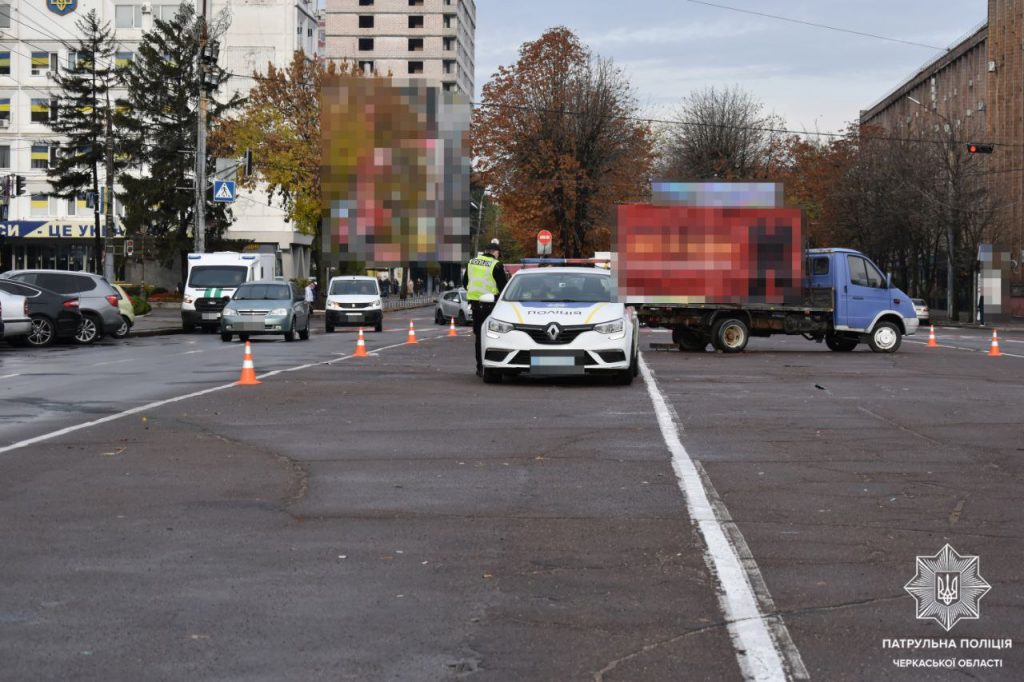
(393, 518)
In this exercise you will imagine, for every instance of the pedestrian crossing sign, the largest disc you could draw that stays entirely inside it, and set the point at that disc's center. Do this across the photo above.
(223, 191)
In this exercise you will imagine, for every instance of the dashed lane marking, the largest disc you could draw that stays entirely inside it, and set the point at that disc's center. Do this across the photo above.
(761, 656)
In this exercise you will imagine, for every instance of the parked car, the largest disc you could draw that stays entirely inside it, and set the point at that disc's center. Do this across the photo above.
(14, 312)
(97, 299)
(453, 304)
(353, 300)
(54, 316)
(269, 306)
(127, 309)
(921, 307)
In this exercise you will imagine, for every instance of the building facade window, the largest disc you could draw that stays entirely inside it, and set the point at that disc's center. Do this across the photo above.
(449, 21)
(123, 59)
(43, 62)
(415, 21)
(415, 3)
(165, 12)
(366, 3)
(366, 44)
(40, 157)
(5, 63)
(366, 67)
(415, 44)
(449, 44)
(449, 65)
(128, 16)
(5, 111)
(415, 67)
(39, 205)
(5, 15)
(40, 108)
(365, 21)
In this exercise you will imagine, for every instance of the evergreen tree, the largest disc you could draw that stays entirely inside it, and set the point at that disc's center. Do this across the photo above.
(82, 105)
(160, 117)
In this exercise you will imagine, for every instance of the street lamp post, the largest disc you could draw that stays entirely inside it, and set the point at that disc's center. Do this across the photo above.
(949, 210)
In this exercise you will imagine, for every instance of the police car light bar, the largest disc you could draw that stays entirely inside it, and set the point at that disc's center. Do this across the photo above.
(565, 261)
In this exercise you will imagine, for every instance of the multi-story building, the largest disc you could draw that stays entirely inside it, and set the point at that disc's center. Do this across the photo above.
(975, 91)
(41, 230)
(432, 40)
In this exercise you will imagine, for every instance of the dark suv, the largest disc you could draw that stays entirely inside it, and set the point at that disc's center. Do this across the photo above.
(97, 300)
(54, 316)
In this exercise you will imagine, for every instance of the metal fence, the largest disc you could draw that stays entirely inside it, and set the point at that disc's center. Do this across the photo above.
(396, 303)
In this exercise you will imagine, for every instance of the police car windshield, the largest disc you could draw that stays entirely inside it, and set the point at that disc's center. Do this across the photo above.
(559, 287)
(205, 276)
(263, 292)
(353, 287)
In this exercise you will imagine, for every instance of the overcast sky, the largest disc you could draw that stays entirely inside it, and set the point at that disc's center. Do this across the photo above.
(816, 79)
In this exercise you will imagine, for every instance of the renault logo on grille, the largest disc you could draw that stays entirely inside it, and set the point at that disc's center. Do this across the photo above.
(553, 330)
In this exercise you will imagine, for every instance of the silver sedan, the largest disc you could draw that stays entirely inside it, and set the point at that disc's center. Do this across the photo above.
(453, 304)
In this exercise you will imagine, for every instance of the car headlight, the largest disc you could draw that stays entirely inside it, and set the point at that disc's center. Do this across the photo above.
(279, 311)
(188, 300)
(498, 327)
(333, 305)
(613, 327)
(229, 311)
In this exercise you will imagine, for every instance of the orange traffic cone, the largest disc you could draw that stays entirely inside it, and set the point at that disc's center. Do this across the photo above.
(248, 377)
(994, 352)
(360, 346)
(451, 329)
(931, 338)
(412, 334)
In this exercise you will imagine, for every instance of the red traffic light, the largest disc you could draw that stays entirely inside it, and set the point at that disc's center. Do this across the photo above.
(975, 148)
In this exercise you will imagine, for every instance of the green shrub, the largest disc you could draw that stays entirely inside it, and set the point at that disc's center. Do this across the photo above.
(140, 305)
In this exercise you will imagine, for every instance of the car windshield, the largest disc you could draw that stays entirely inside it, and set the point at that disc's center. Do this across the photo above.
(353, 287)
(263, 292)
(222, 276)
(561, 287)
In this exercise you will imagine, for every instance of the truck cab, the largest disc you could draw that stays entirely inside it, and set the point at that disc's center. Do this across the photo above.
(866, 305)
(212, 279)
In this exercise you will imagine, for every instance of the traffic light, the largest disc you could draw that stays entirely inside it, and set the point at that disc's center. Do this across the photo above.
(976, 148)
(129, 247)
(248, 162)
(19, 185)
(5, 187)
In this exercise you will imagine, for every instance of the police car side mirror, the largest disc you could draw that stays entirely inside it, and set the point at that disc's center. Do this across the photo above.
(487, 298)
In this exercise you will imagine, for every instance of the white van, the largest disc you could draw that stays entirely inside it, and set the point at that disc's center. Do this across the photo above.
(354, 301)
(212, 279)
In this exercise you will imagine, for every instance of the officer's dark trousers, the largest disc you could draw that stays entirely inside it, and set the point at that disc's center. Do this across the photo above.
(480, 313)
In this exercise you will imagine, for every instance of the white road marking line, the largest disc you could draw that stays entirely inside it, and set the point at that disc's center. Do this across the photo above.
(757, 653)
(113, 362)
(168, 401)
(969, 350)
(8, 376)
(189, 352)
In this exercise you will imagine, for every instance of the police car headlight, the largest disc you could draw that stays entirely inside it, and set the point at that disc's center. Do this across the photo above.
(614, 327)
(230, 312)
(498, 327)
(279, 311)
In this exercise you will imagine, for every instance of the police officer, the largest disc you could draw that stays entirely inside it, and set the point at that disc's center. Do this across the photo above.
(484, 275)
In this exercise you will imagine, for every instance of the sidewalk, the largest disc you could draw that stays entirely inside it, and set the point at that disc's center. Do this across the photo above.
(938, 318)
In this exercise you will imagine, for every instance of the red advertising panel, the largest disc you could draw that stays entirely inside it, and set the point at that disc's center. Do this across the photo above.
(683, 254)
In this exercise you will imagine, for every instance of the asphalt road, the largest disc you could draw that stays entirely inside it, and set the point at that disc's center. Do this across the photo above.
(393, 518)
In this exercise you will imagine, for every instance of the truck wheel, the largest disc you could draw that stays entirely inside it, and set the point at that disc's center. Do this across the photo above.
(730, 335)
(885, 338)
(688, 340)
(840, 344)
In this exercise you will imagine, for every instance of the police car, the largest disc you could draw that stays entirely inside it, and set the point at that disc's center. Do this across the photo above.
(559, 321)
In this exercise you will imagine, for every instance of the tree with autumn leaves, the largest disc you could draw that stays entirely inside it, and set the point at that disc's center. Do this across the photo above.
(280, 125)
(558, 143)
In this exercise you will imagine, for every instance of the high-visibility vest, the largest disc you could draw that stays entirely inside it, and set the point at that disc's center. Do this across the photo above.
(480, 277)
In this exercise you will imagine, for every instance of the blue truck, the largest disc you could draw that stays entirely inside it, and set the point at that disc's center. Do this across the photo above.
(719, 263)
